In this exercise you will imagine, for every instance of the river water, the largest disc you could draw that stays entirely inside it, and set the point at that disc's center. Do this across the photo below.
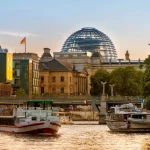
(75, 137)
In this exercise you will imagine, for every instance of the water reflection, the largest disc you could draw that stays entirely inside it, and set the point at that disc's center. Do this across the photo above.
(74, 137)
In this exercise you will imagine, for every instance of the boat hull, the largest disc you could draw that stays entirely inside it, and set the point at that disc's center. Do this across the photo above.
(45, 127)
(125, 127)
(136, 125)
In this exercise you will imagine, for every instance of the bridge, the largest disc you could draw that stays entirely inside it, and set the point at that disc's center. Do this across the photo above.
(70, 100)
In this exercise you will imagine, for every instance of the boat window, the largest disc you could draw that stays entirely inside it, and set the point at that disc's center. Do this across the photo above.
(126, 116)
(112, 110)
(140, 116)
(33, 118)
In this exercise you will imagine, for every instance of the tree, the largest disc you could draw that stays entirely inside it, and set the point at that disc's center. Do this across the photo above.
(148, 103)
(20, 92)
(146, 78)
(100, 75)
(128, 81)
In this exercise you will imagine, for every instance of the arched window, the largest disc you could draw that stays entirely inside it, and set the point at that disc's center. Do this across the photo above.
(62, 90)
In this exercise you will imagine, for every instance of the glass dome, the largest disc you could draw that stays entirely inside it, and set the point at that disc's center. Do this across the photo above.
(90, 39)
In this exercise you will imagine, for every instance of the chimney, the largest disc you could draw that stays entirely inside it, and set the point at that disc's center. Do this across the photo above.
(47, 50)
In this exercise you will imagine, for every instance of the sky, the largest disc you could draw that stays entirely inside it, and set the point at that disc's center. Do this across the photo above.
(48, 23)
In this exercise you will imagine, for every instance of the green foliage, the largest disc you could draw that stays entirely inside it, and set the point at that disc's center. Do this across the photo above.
(147, 61)
(20, 92)
(148, 103)
(128, 81)
(36, 93)
(146, 78)
(45, 94)
(100, 75)
(146, 81)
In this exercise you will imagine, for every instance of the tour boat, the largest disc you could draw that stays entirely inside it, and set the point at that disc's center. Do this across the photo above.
(37, 117)
(128, 118)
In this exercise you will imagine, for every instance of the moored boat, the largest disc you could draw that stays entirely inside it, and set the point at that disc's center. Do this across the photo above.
(38, 116)
(128, 118)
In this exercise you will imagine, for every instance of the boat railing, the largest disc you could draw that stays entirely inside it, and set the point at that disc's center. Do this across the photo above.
(36, 112)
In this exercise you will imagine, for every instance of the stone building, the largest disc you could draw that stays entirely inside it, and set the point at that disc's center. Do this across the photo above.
(62, 78)
(92, 49)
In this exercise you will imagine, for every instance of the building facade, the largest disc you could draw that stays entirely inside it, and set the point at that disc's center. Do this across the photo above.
(5, 72)
(26, 73)
(5, 66)
(62, 78)
(91, 49)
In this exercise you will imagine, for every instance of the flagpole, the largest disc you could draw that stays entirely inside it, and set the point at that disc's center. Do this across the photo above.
(25, 44)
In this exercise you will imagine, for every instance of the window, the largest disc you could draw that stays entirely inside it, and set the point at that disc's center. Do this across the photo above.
(26, 67)
(26, 76)
(62, 90)
(17, 81)
(57, 56)
(42, 90)
(53, 79)
(33, 82)
(53, 90)
(65, 55)
(42, 79)
(37, 66)
(61, 79)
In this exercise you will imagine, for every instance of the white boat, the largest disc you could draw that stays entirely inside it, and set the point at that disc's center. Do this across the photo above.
(128, 118)
(36, 117)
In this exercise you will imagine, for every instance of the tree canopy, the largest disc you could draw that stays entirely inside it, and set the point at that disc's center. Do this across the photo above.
(146, 78)
(20, 92)
(100, 75)
(128, 81)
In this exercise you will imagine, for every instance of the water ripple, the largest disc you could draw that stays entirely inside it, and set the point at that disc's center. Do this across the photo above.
(75, 137)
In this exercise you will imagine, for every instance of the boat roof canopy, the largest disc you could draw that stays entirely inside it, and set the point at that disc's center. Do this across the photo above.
(37, 101)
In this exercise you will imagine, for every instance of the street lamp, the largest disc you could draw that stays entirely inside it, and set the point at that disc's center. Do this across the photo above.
(111, 86)
(103, 87)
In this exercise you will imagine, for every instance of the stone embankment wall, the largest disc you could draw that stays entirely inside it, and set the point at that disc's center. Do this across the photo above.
(85, 116)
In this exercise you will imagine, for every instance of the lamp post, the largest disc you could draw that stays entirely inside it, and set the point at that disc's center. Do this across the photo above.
(103, 87)
(112, 86)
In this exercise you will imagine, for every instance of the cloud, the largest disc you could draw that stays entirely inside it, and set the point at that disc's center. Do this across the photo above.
(17, 34)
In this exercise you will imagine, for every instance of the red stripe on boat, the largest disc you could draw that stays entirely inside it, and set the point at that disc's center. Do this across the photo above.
(33, 124)
(53, 123)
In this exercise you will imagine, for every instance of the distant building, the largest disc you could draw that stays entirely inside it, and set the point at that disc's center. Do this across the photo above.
(90, 49)
(26, 72)
(33, 56)
(62, 78)
(93, 49)
(5, 90)
(5, 66)
(5, 72)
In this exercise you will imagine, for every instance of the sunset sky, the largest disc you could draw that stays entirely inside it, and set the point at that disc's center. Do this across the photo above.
(48, 23)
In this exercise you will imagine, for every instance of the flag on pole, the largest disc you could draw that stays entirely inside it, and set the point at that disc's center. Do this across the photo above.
(23, 41)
